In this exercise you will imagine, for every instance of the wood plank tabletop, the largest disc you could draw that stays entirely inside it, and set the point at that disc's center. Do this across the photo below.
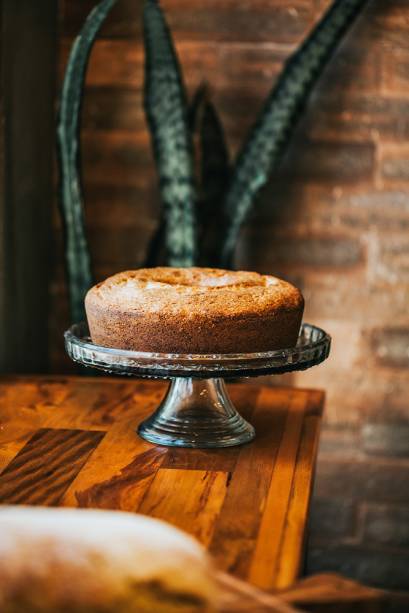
(71, 441)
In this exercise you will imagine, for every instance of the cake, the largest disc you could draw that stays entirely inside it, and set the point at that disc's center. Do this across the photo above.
(76, 561)
(194, 310)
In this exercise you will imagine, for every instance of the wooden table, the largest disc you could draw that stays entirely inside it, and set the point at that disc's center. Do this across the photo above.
(71, 441)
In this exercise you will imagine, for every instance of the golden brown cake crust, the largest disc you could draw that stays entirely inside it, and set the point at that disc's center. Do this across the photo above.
(194, 310)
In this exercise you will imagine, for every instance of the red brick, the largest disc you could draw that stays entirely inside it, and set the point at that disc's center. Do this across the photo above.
(362, 210)
(357, 117)
(339, 440)
(241, 68)
(391, 262)
(337, 163)
(240, 73)
(357, 209)
(350, 298)
(383, 26)
(394, 387)
(358, 390)
(290, 250)
(391, 346)
(325, 162)
(295, 207)
(388, 15)
(387, 525)
(395, 164)
(353, 68)
(323, 119)
(394, 70)
(375, 480)
(237, 20)
(389, 439)
(370, 565)
(332, 518)
(217, 20)
(346, 298)
(351, 387)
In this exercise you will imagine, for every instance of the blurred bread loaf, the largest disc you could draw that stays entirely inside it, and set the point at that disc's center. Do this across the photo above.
(80, 561)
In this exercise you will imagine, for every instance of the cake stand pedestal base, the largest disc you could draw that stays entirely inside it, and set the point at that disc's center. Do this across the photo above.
(196, 413)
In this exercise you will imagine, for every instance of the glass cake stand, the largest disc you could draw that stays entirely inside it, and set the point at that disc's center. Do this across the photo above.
(197, 410)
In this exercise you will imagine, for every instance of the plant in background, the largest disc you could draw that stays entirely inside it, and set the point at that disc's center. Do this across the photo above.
(204, 203)
(77, 255)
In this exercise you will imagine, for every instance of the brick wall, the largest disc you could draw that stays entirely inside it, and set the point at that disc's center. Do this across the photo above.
(334, 220)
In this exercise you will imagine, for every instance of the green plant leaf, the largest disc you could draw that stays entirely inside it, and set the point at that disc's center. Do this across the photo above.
(196, 107)
(268, 139)
(215, 174)
(166, 110)
(215, 168)
(212, 165)
(71, 197)
(154, 252)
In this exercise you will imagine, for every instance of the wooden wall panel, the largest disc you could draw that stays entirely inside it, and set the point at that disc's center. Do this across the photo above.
(27, 97)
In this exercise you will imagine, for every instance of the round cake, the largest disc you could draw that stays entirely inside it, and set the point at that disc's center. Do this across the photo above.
(71, 560)
(194, 310)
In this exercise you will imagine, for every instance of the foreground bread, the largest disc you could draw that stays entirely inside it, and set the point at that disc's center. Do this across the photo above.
(194, 310)
(78, 561)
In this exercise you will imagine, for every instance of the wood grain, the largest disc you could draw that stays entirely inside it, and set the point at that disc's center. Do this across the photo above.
(43, 469)
(236, 532)
(123, 491)
(190, 499)
(294, 529)
(72, 442)
(263, 569)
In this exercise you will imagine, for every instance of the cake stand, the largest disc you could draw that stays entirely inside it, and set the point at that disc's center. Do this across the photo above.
(197, 410)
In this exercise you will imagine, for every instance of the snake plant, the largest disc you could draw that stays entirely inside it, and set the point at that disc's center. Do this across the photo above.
(205, 203)
(76, 249)
(167, 113)
(212, 173)
(271, 134)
